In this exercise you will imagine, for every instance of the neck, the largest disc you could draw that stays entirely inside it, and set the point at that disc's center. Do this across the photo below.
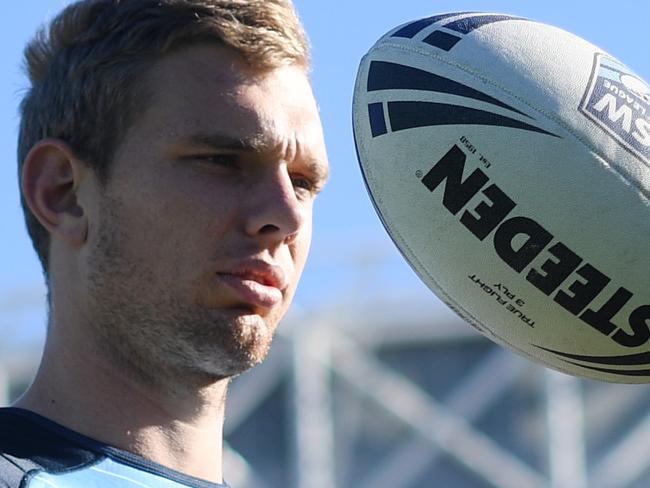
(177, 426)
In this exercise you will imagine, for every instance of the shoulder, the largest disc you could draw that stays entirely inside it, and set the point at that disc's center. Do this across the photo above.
(27, 447)
(38, 453)
(26, 435)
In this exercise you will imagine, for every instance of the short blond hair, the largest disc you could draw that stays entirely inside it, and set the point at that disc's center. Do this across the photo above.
(84, 68)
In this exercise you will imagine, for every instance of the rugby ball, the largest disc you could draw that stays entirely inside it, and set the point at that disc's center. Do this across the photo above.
(509, 161)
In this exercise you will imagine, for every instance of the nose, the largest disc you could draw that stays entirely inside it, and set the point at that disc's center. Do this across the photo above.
(275, 213)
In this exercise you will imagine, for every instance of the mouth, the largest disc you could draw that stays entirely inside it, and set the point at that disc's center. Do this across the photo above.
(258, 284)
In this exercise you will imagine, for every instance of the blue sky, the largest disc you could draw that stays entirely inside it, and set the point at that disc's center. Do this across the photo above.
(352, 258)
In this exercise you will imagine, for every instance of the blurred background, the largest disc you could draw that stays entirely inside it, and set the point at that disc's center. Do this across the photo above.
(372, 381)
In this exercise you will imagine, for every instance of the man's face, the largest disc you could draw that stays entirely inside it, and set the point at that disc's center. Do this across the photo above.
(205, 224)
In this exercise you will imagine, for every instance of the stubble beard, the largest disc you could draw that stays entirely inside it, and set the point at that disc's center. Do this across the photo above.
(147, 331)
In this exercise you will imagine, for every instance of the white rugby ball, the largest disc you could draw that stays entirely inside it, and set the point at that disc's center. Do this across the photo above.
(510, 163)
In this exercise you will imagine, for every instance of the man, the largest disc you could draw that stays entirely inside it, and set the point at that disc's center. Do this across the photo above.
(170, 152)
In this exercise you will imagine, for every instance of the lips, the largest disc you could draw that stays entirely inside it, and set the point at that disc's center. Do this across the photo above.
(257, 283)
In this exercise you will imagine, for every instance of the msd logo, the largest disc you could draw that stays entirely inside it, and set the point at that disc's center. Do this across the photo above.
(619, 102)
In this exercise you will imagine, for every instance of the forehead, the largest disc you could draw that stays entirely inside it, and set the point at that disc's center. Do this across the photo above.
(206, 88)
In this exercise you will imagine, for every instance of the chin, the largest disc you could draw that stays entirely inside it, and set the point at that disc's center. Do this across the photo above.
(232, 364)
(236, 348)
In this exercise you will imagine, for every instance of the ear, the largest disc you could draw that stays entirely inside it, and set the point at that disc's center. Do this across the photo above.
(51, 177)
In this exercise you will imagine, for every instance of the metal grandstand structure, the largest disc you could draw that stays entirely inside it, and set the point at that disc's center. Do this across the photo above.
(401, 394)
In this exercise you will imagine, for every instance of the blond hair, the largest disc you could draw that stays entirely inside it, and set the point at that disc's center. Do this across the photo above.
(85, 66)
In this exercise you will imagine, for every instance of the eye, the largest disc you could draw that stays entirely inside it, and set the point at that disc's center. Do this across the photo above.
(225, 159)
(214, 160)
(302, 183)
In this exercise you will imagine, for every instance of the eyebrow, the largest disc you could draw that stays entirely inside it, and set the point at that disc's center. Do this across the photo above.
(320, 171)
(224, 141)
(250, 144)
